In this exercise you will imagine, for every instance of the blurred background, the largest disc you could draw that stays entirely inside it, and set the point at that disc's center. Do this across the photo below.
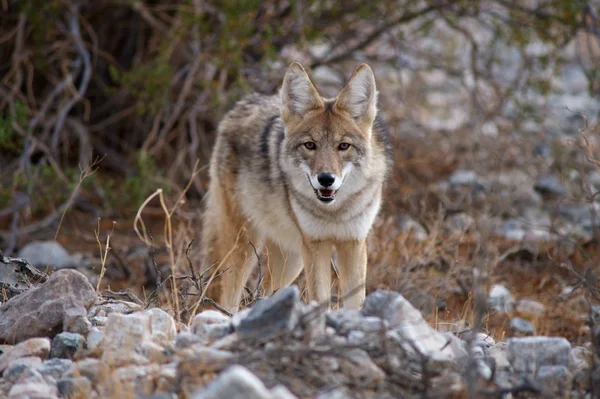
(493, 106)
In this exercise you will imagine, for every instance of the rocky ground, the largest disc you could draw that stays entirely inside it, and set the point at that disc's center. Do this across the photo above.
(62, 339)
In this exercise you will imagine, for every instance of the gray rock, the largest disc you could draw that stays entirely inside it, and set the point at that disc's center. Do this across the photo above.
(412, 228)
(65, 345)
(184, 340)
(530, 307)
(500, 299)
(511, 229)
(530, 353)
(211, 325)
(521, 326)
(47, 309)
(550, 185)
(124, 337)
(113, 306)
(358, 366)
(21, 369)
(37, 347)
(499, 353)
(484, 341)
(408, 328)
(48, 253)
(235, 383)
(272, 317)
(580, 363)
(37, 390)
(556, 381)
(462, 177)
(55, 368)
(78, 387)
(94, 369)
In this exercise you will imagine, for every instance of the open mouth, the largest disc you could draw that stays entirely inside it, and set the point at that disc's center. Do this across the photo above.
(325, 195)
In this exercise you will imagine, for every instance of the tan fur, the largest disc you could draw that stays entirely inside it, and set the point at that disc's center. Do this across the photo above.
(266, 191)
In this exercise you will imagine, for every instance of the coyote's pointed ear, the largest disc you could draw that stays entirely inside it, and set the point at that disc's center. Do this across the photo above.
(298, 94)
(359, 97)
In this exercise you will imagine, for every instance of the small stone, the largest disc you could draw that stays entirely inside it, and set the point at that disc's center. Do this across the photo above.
(123, 337)
(95, 338)
(484, 340)
(272, 317)
(556, 381)
(47, 308)
(77, 387)
(55, 368)
(521, 326)
(412, 228)
(21, 369)
(530, 307)
(48, 253)
(462, 177)
(211, 325)
(530, 353)
(38, 347)
(93, 369)
(65, 345)
(358, 366)
(550, 185)
(162, 326)
(184, 340)
(37, 390)
(408, 328)
(500, 299)
(234, 383)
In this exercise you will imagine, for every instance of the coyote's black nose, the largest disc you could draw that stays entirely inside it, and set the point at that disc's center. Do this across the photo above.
(326, 179)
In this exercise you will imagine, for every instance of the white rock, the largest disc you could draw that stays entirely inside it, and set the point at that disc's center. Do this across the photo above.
(48, 253)
(37, 390)
(463, 177)
(95, 339)
(162, 326)
(500, 299)
(530, 307)
(237, 382)
(124, 336)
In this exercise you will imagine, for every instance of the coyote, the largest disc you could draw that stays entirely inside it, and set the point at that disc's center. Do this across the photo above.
(293, 176)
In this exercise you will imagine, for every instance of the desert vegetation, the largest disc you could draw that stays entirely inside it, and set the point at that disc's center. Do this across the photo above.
(490, 229)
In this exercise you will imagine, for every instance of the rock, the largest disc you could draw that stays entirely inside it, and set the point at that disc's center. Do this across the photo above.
(550, 185)
(65, 345)
(48, 253)
(95, 338)
(412, 228)
(272, 317)
(77, 387)
(499, 353)
(238, 317)
(235, 383)
(500, 299)
(556, 381)
(38, 347)
(530, 353)
(204, 359)
(463, 178)
(281, 392)
(55, 368)
(484, 341)
(124, 336)
(459, 223)
(37, 390)
(184, 340)
(211, 325)
(144, 378)
(21, 369)
(580, 363)
(521, 326)
(162, 326)
(94, 369)
(113, 306)
(358, 366)
(512, 230)
(530, 307)
(408, 328)
(48, 308)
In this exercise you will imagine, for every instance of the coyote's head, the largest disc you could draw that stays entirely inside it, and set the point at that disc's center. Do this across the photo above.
(328, 141)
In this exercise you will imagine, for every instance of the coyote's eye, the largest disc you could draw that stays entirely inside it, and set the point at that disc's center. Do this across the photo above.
(310, 145)
(343, 146)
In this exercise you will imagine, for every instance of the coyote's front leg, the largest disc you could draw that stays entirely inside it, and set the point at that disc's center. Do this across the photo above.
(316, 256)
(352, 267)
